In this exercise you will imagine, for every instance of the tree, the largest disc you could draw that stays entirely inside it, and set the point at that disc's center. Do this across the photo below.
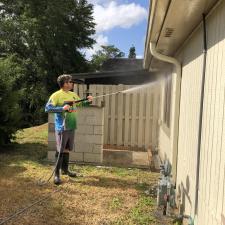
(132, 54)
(10, 113)
(46, 36)
(106, 52)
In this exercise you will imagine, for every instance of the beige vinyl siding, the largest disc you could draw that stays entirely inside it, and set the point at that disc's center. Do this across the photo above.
(211, 193)
(189, 121)
(211, 210)
(164, 144)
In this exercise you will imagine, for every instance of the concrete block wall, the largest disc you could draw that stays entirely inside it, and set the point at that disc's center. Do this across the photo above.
(88, 144)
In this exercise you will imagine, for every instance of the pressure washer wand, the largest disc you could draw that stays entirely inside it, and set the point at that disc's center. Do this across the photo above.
(99, 96)
(85, 99)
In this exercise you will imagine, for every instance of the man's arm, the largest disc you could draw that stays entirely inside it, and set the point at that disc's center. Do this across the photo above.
(51, 108)
(85, 103)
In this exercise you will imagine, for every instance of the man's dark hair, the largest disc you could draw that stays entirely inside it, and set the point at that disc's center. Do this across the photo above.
(62, 79)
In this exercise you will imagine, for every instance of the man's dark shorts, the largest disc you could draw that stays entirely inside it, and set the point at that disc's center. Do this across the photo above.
(64, 140)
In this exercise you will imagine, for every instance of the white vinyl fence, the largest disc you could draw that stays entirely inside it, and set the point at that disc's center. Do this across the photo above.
(130, 119)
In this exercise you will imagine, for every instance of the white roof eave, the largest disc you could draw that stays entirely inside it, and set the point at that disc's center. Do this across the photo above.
(169, 25)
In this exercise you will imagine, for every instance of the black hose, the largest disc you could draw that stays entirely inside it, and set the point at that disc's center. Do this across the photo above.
(41, 182)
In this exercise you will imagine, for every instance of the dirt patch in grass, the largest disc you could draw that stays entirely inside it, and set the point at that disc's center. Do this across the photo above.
(103, 196)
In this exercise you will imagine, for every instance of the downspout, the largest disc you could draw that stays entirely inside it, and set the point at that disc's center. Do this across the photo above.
(200, 113)
(175, 104)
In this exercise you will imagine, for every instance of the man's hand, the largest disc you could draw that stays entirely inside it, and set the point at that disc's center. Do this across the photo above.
(66, 107)
(89, 98)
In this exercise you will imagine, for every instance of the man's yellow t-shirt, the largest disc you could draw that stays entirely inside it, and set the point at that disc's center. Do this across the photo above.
(64, 120)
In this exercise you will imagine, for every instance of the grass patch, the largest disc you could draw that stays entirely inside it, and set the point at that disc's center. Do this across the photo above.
(104, 195)
(142, 186)
(116, 203)
(38, 134)
(124, 172)
(141, 213)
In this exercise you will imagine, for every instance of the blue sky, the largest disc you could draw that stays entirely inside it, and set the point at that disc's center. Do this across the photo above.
(122, 23)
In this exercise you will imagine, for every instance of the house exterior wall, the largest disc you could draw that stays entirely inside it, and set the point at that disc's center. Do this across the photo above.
(167, 139)
(192, 61)
(212, 167)
(211, 207)
(164, 143)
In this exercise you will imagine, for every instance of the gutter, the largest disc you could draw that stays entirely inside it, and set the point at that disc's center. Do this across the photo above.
(146, 55)
(175, 104)
(151, 19)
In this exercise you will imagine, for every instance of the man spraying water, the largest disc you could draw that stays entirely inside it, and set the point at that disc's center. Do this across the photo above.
(65, 122)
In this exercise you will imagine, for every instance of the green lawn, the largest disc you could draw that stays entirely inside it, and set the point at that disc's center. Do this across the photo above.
(103, 196)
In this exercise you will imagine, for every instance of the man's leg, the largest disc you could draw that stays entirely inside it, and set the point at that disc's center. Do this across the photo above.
(66, 155)
(59, 160)
(65, 165)
(60, 144)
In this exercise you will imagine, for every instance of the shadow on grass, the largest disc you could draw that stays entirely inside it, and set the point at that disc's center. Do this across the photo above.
(13, 157)
(14, 152)
(9, 171)
(19, 189)
(17, 193)
(112, 182)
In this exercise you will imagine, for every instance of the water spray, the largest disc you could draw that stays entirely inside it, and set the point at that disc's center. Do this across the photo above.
(114, 93)
(86, 99)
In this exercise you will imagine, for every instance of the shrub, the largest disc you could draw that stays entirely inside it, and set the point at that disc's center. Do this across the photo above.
(10, 113)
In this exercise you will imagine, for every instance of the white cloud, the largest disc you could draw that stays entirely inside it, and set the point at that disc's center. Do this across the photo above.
(109, 14)
(114, 15)
(139, 56)
(100, 40)
(94, 2)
